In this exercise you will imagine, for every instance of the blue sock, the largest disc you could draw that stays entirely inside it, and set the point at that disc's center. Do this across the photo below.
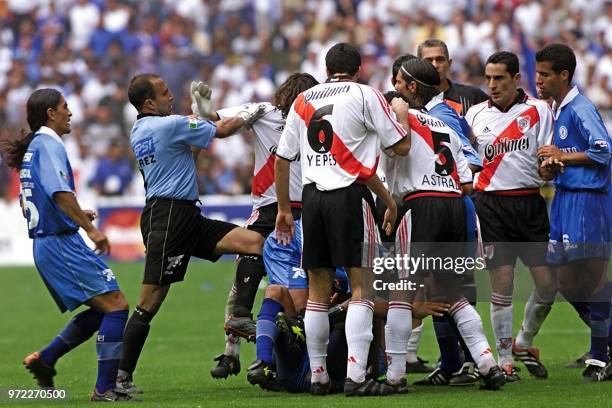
(448, 343)
(81, 327)
(600, 322)
(582, 308)
(266, 330)
(108, 346)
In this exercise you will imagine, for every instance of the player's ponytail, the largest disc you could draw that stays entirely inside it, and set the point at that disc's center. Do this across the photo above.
(36, 107)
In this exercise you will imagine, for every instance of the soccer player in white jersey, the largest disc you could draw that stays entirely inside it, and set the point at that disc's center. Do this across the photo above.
(335, 128)
(508, 130)
(250, 270)
(430, 182)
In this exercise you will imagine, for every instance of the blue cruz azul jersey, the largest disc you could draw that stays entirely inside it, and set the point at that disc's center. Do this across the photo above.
(580, 128)
(162, 145)
(45, 171)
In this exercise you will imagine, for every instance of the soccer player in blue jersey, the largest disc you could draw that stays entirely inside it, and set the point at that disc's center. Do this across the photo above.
(72, 272)
(172, 226)
(581, 214)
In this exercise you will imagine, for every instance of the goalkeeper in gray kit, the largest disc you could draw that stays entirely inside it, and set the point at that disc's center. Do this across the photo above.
(173, 228)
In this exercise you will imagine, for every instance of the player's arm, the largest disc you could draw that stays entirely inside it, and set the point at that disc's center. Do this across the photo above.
(69, 205)
(401, 111)
(377, 187)
(288, 150)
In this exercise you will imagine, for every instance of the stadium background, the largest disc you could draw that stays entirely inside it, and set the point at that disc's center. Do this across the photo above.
(244, 49)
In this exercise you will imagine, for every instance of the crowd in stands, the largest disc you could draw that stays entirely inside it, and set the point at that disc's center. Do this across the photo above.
(89, 49)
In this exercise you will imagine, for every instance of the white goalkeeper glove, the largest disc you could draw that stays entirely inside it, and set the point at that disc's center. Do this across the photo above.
(201, 104)
(251, 113)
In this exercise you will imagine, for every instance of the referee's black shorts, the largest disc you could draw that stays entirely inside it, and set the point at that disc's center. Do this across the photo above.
(339, 227)
(173, 231)
(513, 226)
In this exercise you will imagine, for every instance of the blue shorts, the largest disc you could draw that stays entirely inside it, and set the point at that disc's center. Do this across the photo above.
(580, 226)
(72, 271)
(283, 263)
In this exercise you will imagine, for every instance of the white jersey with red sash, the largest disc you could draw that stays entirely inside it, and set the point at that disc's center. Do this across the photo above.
(335, 129)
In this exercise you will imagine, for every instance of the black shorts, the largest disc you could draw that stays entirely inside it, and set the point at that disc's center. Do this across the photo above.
(432, 225)
(339, 227)
(172, 232)
(513, 226)
(263, 219)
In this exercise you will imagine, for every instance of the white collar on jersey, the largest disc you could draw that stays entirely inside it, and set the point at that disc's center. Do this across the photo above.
(439, 98)
(48, 131)
(568, 98)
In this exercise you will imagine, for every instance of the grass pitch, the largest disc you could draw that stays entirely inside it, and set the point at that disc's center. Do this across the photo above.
(187, 333)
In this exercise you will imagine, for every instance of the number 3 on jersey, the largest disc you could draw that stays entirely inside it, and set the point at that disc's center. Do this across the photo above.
(29, 209)
(320, 131)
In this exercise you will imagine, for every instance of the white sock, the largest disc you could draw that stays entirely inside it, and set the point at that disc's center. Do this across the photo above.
(316, 325)
(536, 311)
(413, 344)
(502, 316)
(470, 327)
(232, 346)
(232, 343)
(397, 333)
(358, 327)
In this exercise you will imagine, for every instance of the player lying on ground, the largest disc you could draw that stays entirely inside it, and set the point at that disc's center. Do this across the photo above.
(250, 269)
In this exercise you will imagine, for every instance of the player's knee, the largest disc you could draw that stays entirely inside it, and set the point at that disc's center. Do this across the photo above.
(276, 292)
(112, 302)
(255, 244)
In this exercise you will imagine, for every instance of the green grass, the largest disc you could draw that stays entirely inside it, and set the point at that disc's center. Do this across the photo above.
(187, 334)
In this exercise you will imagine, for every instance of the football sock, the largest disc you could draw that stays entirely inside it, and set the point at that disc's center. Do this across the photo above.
(536, 311)
(467, 357)
(266, 329)
(80, 328)
(600, 322)
(582, 308)
(232, 343)
(448, 343)
(470, 327)
(502, 314)
(249, 272)
(136, 332)
(316, 325)
(413, 344)
(397, 333)
(358, 337)
(108, 346)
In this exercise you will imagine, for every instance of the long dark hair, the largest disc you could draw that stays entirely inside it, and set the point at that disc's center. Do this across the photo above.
(36, 107)
(294, 85)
